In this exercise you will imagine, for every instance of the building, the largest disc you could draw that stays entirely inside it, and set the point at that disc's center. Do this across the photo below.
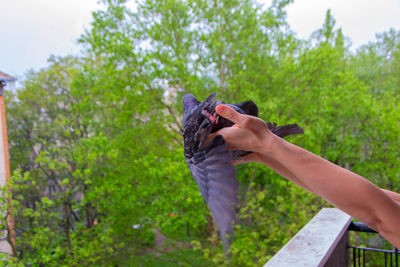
(4, 160)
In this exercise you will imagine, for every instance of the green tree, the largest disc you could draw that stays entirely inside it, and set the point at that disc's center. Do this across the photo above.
(99, 173)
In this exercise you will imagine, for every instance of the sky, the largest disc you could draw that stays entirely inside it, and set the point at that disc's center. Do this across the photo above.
(33, 30)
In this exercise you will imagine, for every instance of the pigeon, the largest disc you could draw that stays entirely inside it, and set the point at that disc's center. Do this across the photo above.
(210, 162)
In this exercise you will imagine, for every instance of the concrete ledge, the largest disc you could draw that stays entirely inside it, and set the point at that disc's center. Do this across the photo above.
(316, 242)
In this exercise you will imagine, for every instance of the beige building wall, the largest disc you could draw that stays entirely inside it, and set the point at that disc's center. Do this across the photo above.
(4, 246)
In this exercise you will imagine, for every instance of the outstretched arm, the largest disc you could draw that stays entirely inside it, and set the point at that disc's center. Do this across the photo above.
(274, 165)
(282, 170)
(342, 188)
(393, 195)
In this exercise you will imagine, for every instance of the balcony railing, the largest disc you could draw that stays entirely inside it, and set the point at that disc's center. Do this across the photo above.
(324, 242)
(391, 257)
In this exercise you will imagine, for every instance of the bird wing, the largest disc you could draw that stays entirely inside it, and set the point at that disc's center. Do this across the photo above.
(284, 130)
(215, 175)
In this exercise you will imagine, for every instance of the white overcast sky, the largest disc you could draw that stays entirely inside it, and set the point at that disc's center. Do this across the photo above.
(32, 30)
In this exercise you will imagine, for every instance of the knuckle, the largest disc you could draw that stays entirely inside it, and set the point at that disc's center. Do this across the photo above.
(222, 132)
(246, 121)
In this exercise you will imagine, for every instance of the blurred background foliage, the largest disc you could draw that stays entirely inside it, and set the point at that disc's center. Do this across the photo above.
(99, 176)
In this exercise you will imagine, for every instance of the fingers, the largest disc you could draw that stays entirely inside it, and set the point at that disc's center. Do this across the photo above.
(252, 157)
(211, 136)
(231, 114)
(226, 134)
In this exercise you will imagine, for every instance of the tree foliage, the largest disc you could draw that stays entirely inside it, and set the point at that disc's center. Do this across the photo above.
(99, 176)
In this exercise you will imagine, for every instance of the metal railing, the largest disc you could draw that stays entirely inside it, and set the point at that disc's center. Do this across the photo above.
(325, 242)
(359, 258)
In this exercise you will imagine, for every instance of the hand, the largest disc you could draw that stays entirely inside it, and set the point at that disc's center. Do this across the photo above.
(249, 133)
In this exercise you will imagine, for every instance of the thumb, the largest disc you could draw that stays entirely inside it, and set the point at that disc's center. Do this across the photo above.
(229, 113)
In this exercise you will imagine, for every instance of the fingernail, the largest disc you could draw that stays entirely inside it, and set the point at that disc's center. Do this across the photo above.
(221, 109)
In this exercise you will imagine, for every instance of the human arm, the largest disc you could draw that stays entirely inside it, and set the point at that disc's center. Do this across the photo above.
(283, 171)
(393, 195)
(342, 188)
(273, 164)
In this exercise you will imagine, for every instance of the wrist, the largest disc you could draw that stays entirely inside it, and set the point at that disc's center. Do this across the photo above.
(270, 144)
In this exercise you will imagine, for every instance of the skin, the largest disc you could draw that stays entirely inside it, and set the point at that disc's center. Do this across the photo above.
(348, 191)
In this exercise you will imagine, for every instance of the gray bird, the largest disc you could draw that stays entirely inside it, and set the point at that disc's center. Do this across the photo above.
(211, 162)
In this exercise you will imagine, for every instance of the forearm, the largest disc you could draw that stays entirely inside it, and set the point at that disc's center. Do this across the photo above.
(393, 195)
(342, 188)
(282, 170)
